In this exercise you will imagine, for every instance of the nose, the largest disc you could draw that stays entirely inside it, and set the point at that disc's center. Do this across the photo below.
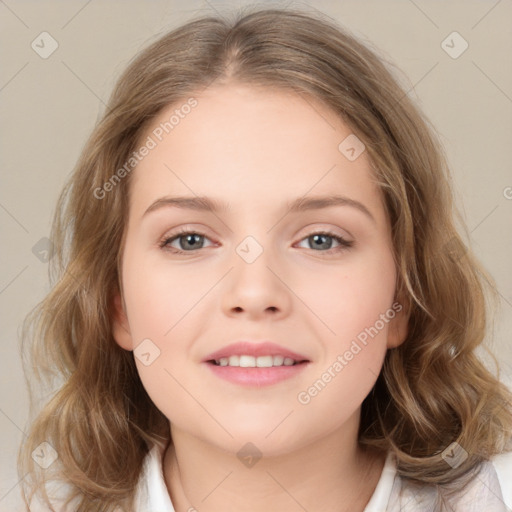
(257, 289)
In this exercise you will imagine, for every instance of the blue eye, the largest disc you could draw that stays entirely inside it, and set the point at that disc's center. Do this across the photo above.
(191, 241)
(188, 240)
(318, 240)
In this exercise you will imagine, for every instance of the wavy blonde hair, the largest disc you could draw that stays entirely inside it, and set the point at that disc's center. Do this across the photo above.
(433, 389)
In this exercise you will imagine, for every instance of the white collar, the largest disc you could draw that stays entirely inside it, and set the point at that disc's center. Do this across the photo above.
(152, 494)
(380, 497)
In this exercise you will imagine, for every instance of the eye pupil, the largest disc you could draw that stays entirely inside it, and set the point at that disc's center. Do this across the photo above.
(190, 239)
(318, 237)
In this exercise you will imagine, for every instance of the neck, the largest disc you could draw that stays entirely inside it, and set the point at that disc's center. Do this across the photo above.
(332, 474)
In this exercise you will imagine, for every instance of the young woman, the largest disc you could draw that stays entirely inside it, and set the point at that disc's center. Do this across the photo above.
(262, 302)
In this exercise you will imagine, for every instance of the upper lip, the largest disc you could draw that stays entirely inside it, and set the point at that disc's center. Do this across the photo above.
(254, 349)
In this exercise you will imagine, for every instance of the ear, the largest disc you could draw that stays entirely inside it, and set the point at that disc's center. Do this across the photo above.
(120, 325)
(399, 325)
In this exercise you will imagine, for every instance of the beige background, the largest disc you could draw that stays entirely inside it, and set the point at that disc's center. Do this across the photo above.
(49, 106)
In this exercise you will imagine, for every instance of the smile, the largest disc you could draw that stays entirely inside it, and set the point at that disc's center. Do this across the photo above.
(246, 361)
(247, 374)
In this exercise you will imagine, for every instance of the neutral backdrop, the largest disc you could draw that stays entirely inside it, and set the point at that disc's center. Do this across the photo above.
(49, 106)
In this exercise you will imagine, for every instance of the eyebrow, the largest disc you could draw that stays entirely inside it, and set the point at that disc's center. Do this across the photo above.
(301, 204)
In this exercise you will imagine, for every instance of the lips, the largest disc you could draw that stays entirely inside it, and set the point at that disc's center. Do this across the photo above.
(266, 348)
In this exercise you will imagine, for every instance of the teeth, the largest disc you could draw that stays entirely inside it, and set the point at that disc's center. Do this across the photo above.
(247, 361)
(278, 360)
(255, 362)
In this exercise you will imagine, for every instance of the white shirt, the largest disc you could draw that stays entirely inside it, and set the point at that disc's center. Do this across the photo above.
(490, 491)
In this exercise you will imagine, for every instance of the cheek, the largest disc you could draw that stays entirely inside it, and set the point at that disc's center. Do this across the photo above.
(357, 309)
(165, 310)
(352, 297)
(160, 296)
(354, 305)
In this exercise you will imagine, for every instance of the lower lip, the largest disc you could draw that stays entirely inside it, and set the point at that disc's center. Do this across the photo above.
(256, 377)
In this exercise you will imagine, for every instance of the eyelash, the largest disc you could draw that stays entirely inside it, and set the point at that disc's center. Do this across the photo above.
(343, 244)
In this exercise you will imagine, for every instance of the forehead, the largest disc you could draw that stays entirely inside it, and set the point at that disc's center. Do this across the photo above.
(249, 145)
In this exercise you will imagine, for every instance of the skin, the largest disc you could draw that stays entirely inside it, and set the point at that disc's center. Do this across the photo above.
(257, 149)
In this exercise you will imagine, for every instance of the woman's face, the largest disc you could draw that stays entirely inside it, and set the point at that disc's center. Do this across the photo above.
(257, 166)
